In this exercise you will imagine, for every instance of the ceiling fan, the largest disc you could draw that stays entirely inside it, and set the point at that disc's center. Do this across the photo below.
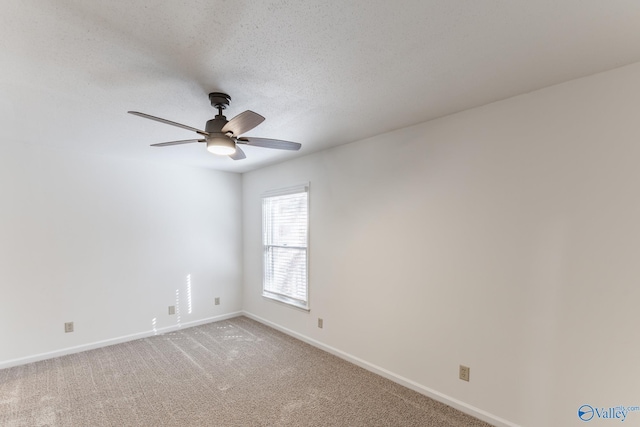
(223, 136)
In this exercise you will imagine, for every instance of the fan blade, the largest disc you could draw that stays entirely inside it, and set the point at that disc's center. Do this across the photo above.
(242, 123)
(270, 143)
(168, 122)
(238, 155)
(183, 141)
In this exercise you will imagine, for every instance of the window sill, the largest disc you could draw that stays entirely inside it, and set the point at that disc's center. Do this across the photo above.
(287, 301)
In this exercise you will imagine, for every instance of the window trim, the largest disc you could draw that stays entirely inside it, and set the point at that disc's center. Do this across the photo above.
(280, 298)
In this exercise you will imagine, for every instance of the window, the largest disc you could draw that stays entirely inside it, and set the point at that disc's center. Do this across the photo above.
(285, 237)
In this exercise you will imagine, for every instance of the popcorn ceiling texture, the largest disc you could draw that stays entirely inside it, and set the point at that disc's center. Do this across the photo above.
(322, 73)
(232, 373)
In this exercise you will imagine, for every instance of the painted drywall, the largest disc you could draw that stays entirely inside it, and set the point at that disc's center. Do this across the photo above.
(110, 244)
(505, 238)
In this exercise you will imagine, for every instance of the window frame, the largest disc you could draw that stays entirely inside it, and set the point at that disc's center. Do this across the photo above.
(270, 294)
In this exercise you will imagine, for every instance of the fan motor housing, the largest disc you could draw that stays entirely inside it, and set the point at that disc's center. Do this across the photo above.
(215, 125)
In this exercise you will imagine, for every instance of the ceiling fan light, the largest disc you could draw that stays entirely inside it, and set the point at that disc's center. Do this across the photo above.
(222, 146)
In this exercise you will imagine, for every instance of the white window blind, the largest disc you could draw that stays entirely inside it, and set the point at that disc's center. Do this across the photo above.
(285, 223)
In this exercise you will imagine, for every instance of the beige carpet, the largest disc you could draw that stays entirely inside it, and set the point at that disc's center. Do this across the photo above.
(231, 373)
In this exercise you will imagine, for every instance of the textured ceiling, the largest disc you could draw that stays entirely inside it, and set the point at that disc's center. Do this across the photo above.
(323, 73)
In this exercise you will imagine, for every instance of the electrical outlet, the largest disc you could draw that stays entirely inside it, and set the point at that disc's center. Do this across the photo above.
(68, 327)
(172, 310)
(465, 371)
(320, 323)
(217, 301)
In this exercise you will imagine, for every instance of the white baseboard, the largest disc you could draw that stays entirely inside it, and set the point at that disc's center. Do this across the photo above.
(112, 341)
(443, 398)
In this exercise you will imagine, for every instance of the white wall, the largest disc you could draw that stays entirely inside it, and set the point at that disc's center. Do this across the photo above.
(505, 238)
(107, 243)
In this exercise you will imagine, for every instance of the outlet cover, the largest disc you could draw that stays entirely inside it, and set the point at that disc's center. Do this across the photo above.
(320, 323)
(465, 371)
(172, 310)
(68, 327)
(217, 301)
